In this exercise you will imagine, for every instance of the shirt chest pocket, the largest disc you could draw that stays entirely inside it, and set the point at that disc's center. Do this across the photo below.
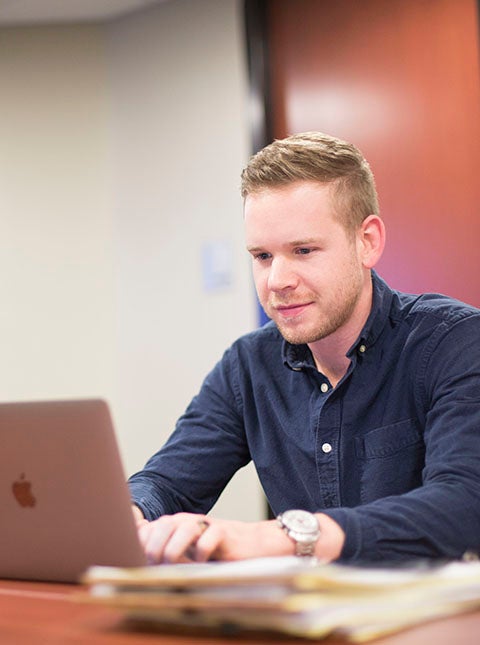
(391, 459)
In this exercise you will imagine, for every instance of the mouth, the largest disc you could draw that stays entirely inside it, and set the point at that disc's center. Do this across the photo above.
(291, 310)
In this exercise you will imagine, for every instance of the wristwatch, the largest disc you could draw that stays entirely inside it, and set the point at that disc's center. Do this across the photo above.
(301, 527)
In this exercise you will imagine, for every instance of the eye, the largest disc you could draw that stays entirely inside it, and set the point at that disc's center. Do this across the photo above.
(303, 251)
(262, 257)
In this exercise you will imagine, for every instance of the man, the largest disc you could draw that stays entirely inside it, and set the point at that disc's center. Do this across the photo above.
(359, 405)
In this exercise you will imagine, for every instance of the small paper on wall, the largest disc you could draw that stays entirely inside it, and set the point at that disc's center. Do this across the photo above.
(217, 265)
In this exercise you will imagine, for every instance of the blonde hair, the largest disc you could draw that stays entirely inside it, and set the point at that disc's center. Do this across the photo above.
(314, 156)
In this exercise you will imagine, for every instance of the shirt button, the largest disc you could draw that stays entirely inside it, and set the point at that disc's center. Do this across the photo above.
(362, 349)
(324, 387)
(327, 447)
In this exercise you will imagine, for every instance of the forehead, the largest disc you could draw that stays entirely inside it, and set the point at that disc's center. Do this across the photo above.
(296, 210)
(304, 195)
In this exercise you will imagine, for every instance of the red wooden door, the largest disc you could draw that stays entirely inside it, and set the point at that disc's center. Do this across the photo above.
(400, 79)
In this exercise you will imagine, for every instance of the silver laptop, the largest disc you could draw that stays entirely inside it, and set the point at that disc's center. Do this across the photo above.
(64, 501)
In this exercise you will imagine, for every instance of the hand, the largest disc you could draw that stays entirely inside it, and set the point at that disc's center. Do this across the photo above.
(188, 537)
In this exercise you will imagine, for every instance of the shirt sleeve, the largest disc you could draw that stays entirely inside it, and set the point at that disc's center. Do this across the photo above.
(206, 448)
(440, 518)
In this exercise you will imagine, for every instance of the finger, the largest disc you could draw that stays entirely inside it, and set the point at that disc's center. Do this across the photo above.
(181, 544)
(191, 552)
(208, 543)
(144, 530)
(155, 538)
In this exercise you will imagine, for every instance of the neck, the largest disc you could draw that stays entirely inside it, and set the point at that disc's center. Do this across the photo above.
(329, 353)
(333, 365)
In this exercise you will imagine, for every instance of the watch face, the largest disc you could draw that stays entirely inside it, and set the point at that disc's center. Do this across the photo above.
(300, 521)
(303, 528)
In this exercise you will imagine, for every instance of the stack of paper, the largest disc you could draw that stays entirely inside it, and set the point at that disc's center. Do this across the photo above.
(288, 595)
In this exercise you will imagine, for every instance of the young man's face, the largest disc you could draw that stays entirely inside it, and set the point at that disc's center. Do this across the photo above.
(308, 272)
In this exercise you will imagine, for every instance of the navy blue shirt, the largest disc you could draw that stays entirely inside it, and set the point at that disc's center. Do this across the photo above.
(392, 453)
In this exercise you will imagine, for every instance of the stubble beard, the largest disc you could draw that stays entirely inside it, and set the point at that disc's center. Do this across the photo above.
(327, 323)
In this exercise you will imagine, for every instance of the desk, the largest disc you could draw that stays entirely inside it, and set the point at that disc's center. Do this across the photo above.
(34, 613)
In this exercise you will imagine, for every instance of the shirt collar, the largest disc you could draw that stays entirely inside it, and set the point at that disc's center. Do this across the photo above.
(296, 357)
(381, 304)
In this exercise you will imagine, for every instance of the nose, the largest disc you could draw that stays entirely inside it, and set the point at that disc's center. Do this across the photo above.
(281, 275)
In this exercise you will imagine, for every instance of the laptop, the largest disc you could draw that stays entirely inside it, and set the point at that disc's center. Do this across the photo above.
(64, 501)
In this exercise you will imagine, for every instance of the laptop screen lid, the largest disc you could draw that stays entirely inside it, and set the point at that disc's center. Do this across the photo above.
(64, 501)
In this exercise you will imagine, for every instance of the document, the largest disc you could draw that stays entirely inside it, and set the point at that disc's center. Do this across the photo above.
(287, 595)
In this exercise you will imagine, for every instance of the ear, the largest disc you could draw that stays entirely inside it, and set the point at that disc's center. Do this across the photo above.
(371, 240)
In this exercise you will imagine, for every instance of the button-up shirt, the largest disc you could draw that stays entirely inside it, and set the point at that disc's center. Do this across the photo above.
(392, 453)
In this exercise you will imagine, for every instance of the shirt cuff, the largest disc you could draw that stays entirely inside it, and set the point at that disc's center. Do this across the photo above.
(349, 522)
(151, 509)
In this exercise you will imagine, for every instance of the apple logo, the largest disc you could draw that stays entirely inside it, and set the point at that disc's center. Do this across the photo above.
(22, 491)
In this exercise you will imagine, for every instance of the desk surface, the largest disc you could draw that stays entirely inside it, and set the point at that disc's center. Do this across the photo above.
(47, 614)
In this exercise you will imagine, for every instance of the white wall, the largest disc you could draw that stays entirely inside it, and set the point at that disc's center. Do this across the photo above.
(121, 150)
(56, 257)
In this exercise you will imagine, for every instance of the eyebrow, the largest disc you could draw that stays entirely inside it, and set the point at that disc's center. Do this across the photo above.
(303, 242)
(308, 240)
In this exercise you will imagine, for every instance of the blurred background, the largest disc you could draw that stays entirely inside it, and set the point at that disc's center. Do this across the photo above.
(124, 126)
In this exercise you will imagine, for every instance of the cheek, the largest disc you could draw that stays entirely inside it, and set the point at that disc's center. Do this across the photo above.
(260, 279)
